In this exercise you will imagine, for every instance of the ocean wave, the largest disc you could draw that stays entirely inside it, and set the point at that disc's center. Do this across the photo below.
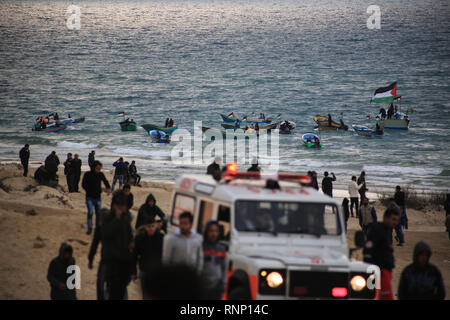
(76, 145)
(154, 154)
(316, 163)
(403, 170)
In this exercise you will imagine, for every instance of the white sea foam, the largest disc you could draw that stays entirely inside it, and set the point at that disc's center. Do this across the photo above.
(76, 145)
(316, 163)
(403, 170)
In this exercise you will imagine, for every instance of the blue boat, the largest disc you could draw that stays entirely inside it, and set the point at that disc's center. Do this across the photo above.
(51, 128)
(233, 118)
(365, 131)
(309, 140)
(159, 136)
(149, 127)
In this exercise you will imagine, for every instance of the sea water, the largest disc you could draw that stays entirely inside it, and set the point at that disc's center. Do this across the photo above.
(193, 59)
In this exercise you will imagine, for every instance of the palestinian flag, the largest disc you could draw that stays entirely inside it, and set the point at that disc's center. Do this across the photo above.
(385, 94)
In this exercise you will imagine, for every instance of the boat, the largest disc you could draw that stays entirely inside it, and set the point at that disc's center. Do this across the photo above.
(286, 127)
(51, 128)
(261, 127)
(233, 118)
(308, 140)
(323, 124)
(149, 127)
(365, 131)
(398, 120)
(232, 133)
(128, 125)
(159, 136)
(68, 121)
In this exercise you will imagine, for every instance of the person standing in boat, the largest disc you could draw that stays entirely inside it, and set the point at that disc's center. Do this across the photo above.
(383, 113)
(390, 112)
(166, 125)
(330, 121)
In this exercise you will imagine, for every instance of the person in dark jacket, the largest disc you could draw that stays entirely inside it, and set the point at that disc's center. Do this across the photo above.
(91, 159)
(120, 173)
(92, 185)
(117, 243)
(76, 171)
(362, 181)
(58, 275)
(133, 173)
(147, 252)
(346, 211)
(255, 167)
(51, 165)
(447, 213)
(24, 155)
(314, 182)
(421, 280)
(327, 184)
(399, 198)
(214, 269)
(150, 210)
(130, 198)
(214, 167)
(68, 173)
(378, 249)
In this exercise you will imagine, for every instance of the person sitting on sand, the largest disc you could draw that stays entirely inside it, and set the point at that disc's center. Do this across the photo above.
(133, 173)
(51, 165)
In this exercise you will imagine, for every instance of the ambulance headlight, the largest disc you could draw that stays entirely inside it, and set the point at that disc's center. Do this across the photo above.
(358, 283)
(274, 279)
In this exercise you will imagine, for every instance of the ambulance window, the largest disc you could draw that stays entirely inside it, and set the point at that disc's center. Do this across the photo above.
(205, 214)
(223, 218)
(182, 203)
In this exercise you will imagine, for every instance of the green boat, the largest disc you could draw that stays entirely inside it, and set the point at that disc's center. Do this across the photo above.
(149, 127)
(127, 124)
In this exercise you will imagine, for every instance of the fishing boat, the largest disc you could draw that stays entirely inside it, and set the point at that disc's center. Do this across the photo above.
(51, 128)
(309, 140)
(127, 124)
(233, 118)
(365, 131)
(232, 133)
(395, 119)
(149, 127)
(323, 124)
(287, 127)
(69, 121)
(159, 136)
(261, 127)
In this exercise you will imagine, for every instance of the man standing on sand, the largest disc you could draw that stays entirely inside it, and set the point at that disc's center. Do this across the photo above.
(362, 181)
(91, 159)
(119, 173)
(24, 155)
(327, 184)
(421, 280)
(51, 165)
(92, 185)
(399, 198)
(378, 249)
(367, 216)
(185, 247)
(68, 173)
(314, 182)
(150, 210)
(76, 171)
(353, 188)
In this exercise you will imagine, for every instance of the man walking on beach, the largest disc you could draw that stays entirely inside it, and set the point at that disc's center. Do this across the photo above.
(76, 171)
(119, 173)
(399, 198)
(117, 243)
(367, 216)
(327, 184)
(378, 249)
(150, 210)
(92, 185)
(24, 155)
(91, 159)
(421, 280)
(57, 274)
(353, 191)
(185, 246)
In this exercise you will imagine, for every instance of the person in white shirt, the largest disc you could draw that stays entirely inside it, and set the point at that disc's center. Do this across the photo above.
(353, 189)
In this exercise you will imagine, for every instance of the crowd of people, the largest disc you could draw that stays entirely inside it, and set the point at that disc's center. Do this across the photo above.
(148, 253)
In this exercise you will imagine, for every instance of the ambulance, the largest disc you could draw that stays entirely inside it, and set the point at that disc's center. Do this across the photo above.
(284, 240)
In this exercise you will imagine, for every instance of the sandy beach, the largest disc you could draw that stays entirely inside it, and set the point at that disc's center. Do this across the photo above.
(30, 239)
